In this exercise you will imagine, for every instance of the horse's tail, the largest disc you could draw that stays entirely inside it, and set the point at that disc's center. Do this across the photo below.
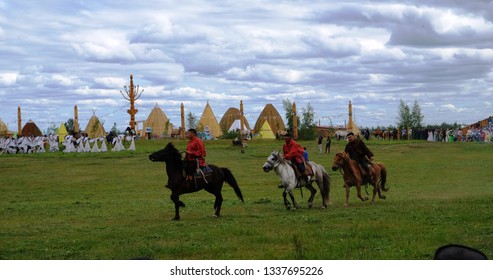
(230, 179)
(383, 177)
(326, 187)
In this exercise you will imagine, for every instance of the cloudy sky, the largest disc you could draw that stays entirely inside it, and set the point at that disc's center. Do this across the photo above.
(55, 54)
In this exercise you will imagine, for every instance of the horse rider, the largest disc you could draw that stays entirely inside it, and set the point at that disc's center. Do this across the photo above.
(195, 151)
(359, 152)
(294, 152)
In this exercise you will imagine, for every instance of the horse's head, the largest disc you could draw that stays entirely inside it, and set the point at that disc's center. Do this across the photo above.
(168, 153)
(271, 161)
(339, 160)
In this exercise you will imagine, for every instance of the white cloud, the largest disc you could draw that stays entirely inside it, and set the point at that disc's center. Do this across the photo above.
(8, 79)
(325, 53)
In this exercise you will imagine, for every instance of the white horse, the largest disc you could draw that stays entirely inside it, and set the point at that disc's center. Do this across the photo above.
(285, 170)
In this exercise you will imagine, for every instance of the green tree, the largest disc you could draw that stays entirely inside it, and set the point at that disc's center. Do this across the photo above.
(404, 117)
(288, 109)
(416, 116)
(192, 121)
(306, 127)
(69, 125)
(411, 118)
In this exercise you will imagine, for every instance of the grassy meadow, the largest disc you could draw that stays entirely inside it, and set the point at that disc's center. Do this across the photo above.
(114, 206)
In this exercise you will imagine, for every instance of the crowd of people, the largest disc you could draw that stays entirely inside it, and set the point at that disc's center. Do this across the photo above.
(81, 143)
(459, 135)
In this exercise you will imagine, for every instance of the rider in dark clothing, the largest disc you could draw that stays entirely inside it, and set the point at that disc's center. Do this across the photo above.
(358, 151)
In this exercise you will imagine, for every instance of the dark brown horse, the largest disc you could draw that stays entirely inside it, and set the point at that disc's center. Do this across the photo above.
(353, 176)
(177, 183)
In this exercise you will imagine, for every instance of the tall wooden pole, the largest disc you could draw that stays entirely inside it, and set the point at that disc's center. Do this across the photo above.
(19, 121)
(76, 119)
(182, 131)
(242, 125)
(350, 123)
(295, 123)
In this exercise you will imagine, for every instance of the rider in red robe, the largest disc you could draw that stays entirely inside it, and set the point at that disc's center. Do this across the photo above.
(294, 152)
(195, 151)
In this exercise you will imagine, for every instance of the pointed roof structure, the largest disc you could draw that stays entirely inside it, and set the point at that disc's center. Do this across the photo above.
(62, 132)
(94, 128)
(4, 130)
(266, 132)
(31, 129)
(208, 122)
(231, 116)
(158, 122)
(270, 115)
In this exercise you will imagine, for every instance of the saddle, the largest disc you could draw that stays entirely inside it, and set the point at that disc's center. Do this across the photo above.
(370, 174)
(308, 170)
(200, 175)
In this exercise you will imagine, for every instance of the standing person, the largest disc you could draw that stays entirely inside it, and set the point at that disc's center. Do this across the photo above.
(358, 151)
(319, 142)
(327, 145)
(294, 152)
(195, 151)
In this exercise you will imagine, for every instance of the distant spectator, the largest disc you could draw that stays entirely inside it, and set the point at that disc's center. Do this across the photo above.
(327, 145)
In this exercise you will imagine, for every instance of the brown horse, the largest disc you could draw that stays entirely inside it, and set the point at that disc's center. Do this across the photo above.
(353, 176)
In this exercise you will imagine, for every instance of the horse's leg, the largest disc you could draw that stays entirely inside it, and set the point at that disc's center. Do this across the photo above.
(176, 199)
(347, 195)
(313, 191)
(286, 201)
(358, 189)
(295, 205)
(217, 204)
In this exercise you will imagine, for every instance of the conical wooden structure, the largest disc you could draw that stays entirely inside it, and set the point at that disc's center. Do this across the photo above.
(94, 128)
(270, 115)
(4, 130)
(231, 115)
(30, 129)
(266, 132)
(158, 123)
(208, 122)
(62, 132)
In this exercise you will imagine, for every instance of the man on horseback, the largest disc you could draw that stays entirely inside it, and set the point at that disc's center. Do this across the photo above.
(294, 152)
(359, 152)
(195, 152)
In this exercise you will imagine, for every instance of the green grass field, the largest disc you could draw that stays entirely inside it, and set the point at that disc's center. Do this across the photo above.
(114, 206)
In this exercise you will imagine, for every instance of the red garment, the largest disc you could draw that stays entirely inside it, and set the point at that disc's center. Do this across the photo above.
(196, 150)
(293, 150)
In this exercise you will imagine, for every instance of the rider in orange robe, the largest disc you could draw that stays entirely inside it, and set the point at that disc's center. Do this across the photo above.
(294, 152)
(195, 151)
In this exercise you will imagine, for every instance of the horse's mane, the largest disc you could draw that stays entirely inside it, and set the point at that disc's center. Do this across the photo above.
(280, 158)
(175, 155)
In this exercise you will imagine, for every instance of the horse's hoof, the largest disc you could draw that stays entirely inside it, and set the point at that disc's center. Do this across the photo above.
(310, 206)
(383, 197)
(176, 219)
